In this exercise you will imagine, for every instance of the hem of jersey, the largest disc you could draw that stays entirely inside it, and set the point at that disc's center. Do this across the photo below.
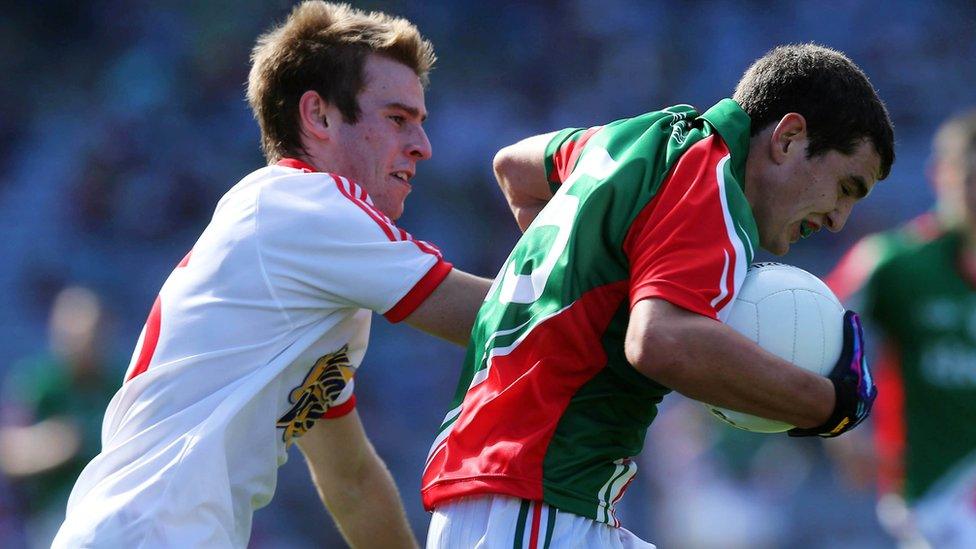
(343, 409)
(420, 292)
(442, 491)
(685, 302)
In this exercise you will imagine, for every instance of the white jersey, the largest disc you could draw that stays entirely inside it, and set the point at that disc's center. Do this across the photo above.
(254, 336)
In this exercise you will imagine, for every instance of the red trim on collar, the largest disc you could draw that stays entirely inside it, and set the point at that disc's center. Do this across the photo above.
(297, 164)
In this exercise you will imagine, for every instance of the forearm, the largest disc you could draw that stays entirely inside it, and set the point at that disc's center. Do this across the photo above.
(709, 362)
(367, 508)
(355, 485)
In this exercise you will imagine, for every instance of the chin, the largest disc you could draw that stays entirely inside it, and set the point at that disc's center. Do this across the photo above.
(775, 247)
(394, 213)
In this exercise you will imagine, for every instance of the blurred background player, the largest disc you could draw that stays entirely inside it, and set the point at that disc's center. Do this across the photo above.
(254, 339)
(51, 410)
(917, 287)
(617, 293)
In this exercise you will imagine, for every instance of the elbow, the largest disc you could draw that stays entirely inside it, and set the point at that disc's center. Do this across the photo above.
(654, 352)
(502, 165)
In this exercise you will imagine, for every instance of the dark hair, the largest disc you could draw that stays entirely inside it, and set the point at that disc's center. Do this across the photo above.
(831, 92)
(323, 47)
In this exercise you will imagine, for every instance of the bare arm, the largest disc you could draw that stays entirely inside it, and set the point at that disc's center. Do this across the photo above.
(710, 362)
(450, 310)
(521, 174)
(355, 485)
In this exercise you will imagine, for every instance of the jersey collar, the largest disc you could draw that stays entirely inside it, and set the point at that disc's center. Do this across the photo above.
(297, 164)
(732, 123)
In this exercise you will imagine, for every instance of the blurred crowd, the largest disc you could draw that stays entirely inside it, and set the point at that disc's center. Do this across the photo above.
(123, 122)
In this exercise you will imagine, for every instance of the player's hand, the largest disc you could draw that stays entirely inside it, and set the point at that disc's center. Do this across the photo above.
(853, 385)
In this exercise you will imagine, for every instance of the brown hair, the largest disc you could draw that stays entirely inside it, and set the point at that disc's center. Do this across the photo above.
(828, 89)
(323, 47)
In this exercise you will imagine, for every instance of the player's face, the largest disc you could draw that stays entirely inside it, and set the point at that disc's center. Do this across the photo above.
(803, 195)
(381, 150)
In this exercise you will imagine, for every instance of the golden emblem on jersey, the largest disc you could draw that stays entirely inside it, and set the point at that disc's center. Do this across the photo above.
(325, 380)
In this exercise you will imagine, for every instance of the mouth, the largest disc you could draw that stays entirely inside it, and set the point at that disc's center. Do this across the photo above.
(403, 176)
(803, 229)
(808, 228)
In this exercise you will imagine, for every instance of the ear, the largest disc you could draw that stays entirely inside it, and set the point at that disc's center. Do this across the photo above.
(788, 137)
(316, 117)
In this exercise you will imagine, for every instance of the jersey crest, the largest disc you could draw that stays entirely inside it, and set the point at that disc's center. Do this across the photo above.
(320, 389)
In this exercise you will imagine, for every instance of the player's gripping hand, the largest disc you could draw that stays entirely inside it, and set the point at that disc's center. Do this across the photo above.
(853, 385)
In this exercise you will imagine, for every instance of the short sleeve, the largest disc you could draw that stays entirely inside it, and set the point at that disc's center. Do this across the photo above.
(685, 246)
(322, 242)
(563, 151)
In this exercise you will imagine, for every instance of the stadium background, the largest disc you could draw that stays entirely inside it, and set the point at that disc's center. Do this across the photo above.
(123, 122)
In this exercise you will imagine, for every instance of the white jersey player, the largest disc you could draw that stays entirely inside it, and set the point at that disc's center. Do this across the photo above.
(256, 335)
(270, 311)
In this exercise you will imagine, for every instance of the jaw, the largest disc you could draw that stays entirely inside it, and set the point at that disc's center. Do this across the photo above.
(776, 244)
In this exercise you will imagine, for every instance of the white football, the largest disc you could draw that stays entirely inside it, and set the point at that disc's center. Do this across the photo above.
(792, 314)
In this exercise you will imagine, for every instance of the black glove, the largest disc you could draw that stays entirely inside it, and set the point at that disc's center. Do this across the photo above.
(853, 385)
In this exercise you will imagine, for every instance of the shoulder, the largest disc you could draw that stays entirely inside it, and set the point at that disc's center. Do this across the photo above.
(289, 198)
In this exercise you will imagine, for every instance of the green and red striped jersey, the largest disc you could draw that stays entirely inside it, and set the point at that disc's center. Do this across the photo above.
(548, 408)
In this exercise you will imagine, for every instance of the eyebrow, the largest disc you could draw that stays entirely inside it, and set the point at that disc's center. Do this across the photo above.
(412, 111)
(860, 187)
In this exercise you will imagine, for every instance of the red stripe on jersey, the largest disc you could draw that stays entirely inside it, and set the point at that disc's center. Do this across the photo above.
(420, 291)
(677, 244)
(341, 410)
(564, 160)
(889, 421)
(150, 340)
(386, 227)
(297, 164)
(393, 232)
(620, 495)
(153, 323)
(536, 520)
(427, 247)
(853, 269)
(186, 259)
(498, 443)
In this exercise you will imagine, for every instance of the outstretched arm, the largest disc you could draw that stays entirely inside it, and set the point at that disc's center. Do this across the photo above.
(450, 310)
(521, 174)
(355, 484)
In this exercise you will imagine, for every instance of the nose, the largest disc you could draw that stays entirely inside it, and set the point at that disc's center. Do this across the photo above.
(838, 218)
(419, 145)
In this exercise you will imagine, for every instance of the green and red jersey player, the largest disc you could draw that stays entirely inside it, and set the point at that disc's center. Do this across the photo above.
(645, 208)
(919, 295)
(616, 292)
(648, 206)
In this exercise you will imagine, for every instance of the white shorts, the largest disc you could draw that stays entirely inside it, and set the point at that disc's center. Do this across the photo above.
(493, 521)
